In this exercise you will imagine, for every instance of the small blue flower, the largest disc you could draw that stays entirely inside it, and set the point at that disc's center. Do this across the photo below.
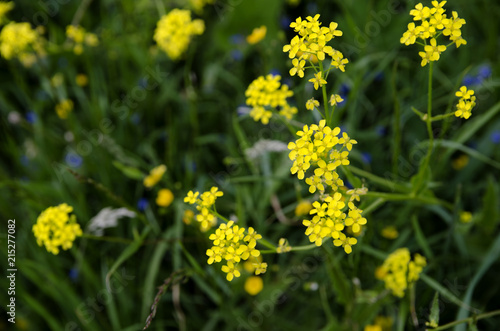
(379, 76)
(237, 38)
(135, 119)
(484, 72)
(73, 160)
(381, 130)
(73, 274)
(495, 137)
(236, 55)
(469, 80)
(31, 117)
(344, 89)
(285, 22)
(25, 161)
(348, 185)
(366, 157)
(275, 72)
(142, 204)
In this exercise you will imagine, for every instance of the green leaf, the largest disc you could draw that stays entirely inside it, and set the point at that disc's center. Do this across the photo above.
(434, 316)
(490, 213)
(130, 172)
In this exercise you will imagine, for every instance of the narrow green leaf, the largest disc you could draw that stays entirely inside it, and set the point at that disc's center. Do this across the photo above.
(434, 316)
(130, 172)
(421, 240)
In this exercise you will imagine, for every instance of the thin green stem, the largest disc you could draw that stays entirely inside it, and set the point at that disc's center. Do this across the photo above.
(466, 320)
(108, 239)
(266, 243)
(402, 197)
(303, 248)
(441, 117)
(325, 98)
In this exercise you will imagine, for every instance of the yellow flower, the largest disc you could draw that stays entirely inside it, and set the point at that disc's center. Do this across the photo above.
(460, 162)
(188, 217)
(372, 328)
(55, 228)
(232, 244)
(82, 80)
(64, 108)
(303, 208)
(311, 103)
(80, 37)
(317, 80)
(465, 217)
(164, 198)
(175, 30)
(399, 272)
(257, 35)
(283, 246)
(17, 40)
(390, 232)
(5, 7)
(335, 99)
(155, 176)
(253, 285)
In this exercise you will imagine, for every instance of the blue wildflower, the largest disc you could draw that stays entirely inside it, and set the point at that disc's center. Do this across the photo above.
(73, 160)
(142, 204)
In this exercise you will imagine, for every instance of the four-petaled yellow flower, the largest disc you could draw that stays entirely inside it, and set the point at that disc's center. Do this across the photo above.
(466, 102)
(155, 176)
(257, 35)
(318, 80)
(311, 103)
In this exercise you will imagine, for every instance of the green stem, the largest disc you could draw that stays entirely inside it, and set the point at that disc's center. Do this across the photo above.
(325, 98)
(441, 117)
(108, 239)
(428, 120)
(401, 197)
(266, 243)
(303, 248)
(379, 180)
(465, 320)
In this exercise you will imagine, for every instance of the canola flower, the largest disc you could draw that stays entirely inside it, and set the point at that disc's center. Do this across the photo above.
(80, 37)
(55, 228)
(234, 244)
(257, 35)
(434, 23)
(267, 94)
(324, 149)
(204, 204)
(175, 30)
(466, 102)
(82, 80)
(310, 43)
(64, 108)
(399, 272)
(155, 176)
(19, 40)
(5, 7)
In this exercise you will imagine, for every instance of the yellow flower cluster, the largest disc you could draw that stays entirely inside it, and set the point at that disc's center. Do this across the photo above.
(267, 93)
(204, 203)
(80, 37)
(174, 32)
(466, 103)
(399, 272)
(310, 42)
(234, 244)
(434, 22)
(317, 147)
(19, 40)
(64, 108)
(5, 7)
(56, 227)
(155, 175)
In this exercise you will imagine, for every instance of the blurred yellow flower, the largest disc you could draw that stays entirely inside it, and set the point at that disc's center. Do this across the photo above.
(155, 176)
(460, 162)
(175, 30)
(5, 7)
(81, 80)
(164, 198)
(188, 216)
(303, 208)
(64, 108)
(257, 35)
(390, 232)
(17, 40)
(253, 285)
(465, 217)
